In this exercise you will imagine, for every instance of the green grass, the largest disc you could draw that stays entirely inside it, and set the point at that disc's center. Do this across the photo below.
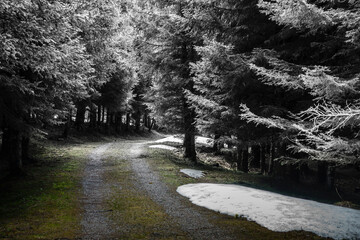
(168, 166)
(44, 204)
(134, 213)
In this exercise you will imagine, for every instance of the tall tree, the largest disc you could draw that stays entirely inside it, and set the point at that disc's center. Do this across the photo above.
(166, 46)
(43, 66)
(328, 129)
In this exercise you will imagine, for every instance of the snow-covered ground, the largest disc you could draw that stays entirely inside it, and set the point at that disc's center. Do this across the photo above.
(170, 139)
(192, 173)
(204, 140)
(179, 139)
(275, 211)
(161, 146)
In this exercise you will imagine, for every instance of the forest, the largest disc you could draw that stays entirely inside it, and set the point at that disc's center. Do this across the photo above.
(274, 84)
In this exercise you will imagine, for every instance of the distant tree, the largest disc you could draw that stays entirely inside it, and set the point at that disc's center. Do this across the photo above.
(165, 46)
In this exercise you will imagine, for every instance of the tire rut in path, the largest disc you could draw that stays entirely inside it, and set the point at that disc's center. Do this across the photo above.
(95, 224)
(190, 220)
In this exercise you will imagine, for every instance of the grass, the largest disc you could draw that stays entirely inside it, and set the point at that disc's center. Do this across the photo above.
(168, 166)
(136, 216)
(43, 204)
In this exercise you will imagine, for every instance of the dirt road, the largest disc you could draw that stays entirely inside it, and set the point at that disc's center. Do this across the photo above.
(97, 223)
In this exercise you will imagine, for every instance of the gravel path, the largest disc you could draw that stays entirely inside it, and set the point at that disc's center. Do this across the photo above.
(95, 223)
(190, 220)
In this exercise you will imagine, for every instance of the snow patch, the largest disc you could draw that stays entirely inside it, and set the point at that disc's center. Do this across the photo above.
(170, 139)
(192, 173)
(275, 211)
(161, 146)
(205, 141)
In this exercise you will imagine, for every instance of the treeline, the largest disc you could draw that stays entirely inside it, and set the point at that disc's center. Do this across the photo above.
(270, 78)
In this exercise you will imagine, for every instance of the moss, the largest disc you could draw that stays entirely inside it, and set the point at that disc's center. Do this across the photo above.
(44, 204)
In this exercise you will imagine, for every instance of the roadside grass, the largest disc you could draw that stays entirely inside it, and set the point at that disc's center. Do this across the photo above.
(43, 204)
(136, 216)
(168, 166)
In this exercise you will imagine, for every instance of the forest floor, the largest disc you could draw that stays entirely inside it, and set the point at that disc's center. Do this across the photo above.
(118, 189)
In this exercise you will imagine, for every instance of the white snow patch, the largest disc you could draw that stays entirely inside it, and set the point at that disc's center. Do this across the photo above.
(204, 140)
(170, 139)
(192, 173)
(161, 146)
(275, 211)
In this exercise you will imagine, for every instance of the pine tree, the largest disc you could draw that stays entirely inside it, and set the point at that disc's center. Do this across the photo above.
(328, 129)
(165, 47)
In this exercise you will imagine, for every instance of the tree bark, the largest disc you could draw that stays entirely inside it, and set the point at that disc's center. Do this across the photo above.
(245, 159)
(255, 163)
(99, 115)
(271, 157)
(127, 124)
(189, 139)
(103, 115)
(262, 158)
(216, 146)
(92, 115)
(137, 121)
(80, 114)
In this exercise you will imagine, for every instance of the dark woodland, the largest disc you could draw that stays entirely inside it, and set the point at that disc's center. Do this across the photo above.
(273, 85)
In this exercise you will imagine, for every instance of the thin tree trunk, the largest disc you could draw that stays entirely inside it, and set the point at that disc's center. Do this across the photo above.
(245, 159)
(127, 126)
(92, 116)
(99, 115)
(137, 121)
(262, 158)
(216, 146)
(103, 115)
(271, 157)
(146, 119)
(189, 139)
(80, 114)
(256, 156)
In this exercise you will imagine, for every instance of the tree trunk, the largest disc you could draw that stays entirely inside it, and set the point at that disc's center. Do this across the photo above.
(151, 123)
(245, 159)
(262, 158)
(99, 115)
(271, 157)
(103, 115)
(137, 121)
(189, 139)
(216, 146)
(92, 116)
(127, 126)
(67, 126)
(255, 163)
(80, 114)
(146, 124)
